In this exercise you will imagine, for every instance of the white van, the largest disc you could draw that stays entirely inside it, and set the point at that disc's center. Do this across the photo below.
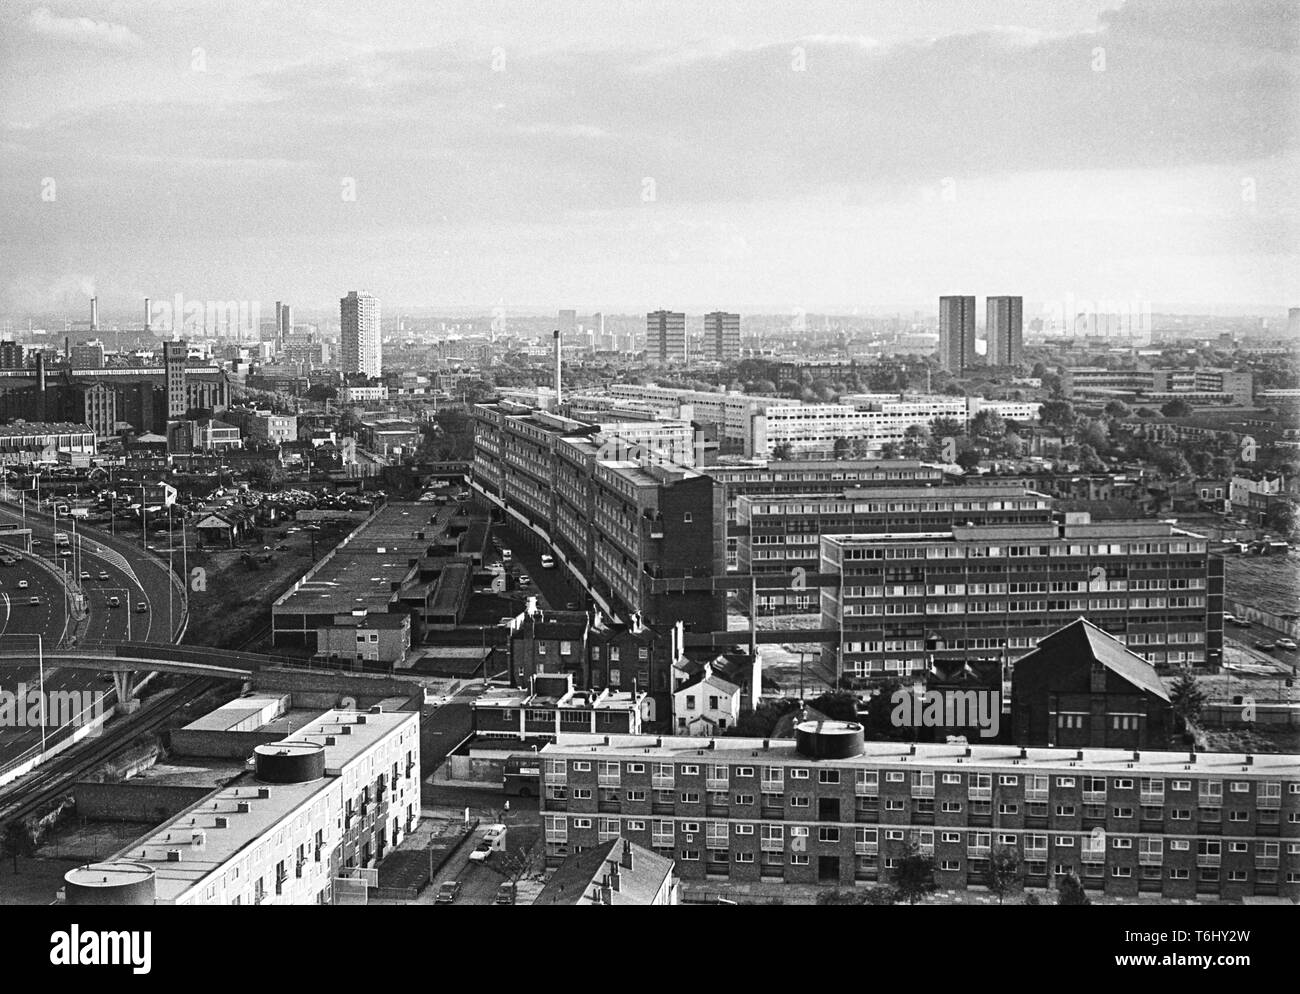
(505, 554)
(548, 562)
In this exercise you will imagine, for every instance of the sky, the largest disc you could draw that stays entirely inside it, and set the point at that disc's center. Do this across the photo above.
(809, 155)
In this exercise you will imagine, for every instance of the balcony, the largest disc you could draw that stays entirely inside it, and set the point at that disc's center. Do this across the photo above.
(661, 782)
(866, 848)
(866, 789)
(1035, 855)
(560, 835)
(1093, 855)
(979, 793)
(1151, 859)
(1210, 801)
(773, 786)
(659, 841)
(772, 845)
(558, 779)
(1094, 797)
(1152, 798)
(1209, 859)
(1035, 794)
(717, 783)
(659, 807)
(1263, 802)
(774, 812)
(1266, 862)
(978, 852)
(925, 848)
(609, 780)
(927, 790)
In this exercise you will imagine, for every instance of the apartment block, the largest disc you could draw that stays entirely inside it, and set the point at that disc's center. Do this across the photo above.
(1157, 386)
(666, 337)
(1004, 330)
(828, 808)
(994, 591)
(361, 347)
(721, 336)
(783, 534)
(326, 802)
(956, 334)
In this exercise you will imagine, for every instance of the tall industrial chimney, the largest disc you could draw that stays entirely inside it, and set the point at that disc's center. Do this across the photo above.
(94, 314)
(146, 315)
(557, 368)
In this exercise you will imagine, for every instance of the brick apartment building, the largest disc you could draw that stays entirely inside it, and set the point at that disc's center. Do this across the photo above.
(827, 808)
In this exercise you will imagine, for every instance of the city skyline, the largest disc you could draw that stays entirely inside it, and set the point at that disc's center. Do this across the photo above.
(861, 158)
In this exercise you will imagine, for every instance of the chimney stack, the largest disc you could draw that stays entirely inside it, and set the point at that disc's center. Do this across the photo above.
(626, 859)
(94, 313)
(146, 315)
(613, 875)
(557, 367)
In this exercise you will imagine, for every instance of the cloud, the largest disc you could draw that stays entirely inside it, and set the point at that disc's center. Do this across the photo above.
(82, 30)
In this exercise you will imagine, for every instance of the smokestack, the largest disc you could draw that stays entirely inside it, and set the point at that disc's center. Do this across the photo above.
(94, 313)
(146, 314)
(67, 348)
(557, 368)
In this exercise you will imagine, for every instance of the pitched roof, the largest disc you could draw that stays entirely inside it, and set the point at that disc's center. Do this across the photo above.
(575, 880)
(1083, 637)
(713, 680)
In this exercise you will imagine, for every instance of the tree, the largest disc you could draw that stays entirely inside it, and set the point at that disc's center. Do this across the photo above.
(868, 895)
(17, 841)
(1145, 412)
(842, 447)
(1031, 900)
(1058, 414)
(913, 875)
(1186, 697)
(517, 865)
(1283, 518)
(945, 428)
(989, 425)
(1004, 873)
(1117, 410)
(1070, 891)
(760, 722)
(1094, 433)
(915, 441)
(1090, 461)
(322, 392)
(782, 451)
(1171, 463)
(890, 450)
(968, 459)
(1176, 408)
(839, 705)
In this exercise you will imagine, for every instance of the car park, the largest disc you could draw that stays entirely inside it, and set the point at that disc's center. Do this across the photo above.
(448, 891)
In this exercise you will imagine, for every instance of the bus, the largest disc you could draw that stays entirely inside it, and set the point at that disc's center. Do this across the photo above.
(61, 540)
(523, 775)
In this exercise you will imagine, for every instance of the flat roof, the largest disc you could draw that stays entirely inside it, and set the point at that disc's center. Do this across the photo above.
(899, 755)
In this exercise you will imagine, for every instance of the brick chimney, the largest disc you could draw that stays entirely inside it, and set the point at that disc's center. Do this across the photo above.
(612, 878)
(626, 859)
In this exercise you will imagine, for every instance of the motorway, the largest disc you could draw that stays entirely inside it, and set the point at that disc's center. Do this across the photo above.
(135, 576)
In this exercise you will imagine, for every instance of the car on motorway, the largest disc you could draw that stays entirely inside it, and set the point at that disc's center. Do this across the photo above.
(85, 575)
(22, 584)
(1264, 645)
(103, 575)
(1289, 644)
(65, 553)
(34, 601)
(141, 608)
(448, 891)
(114, 602)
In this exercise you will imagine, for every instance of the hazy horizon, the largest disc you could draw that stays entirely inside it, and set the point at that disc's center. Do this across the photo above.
(759, 157)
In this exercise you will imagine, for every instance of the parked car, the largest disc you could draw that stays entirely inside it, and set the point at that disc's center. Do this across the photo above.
(448, 892)
(548, 561)
(1265, 646)
(481, 852)
(1287, 644)
(142, 608)
(114, 602)
(505, 893)
(1241, 623)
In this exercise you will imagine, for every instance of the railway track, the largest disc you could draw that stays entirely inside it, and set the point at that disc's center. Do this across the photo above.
(51, 779)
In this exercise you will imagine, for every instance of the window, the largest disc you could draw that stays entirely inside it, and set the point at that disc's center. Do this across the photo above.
(581, 767)
(893, 835)
(690, 771)
(952, 778)
(686, 518)
(636, 767)
(1064, 782)
(798, 859)
(635, 826)
(1065, 841)
(744, 857)
(744, 829)
(893, 777)
(828, 776)
(690, 827)
(582, 823)
(798, 773)
(1008, 809)
(690, 702)
(1008, 781)
(690, 855)
(690, 797)
(828, 834)
(582, 793)
(744, 798)
(799, 800)
(744, 771)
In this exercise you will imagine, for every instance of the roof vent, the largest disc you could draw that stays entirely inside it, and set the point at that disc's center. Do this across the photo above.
(377, 709)
(330, 740)
(361, 719)
(173, 855)
(1079, 755)
(263, 793)
(1191, 757)
(222, 822)
(1024, 753)
(243, 808)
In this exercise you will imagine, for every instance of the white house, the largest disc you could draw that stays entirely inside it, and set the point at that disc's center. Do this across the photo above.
(706, 705)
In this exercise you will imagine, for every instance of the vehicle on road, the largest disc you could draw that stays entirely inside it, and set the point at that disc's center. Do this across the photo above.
(481, 852)
(65, 553)
(103, 575)
(22, 584)
(34, 601)
(1241, 623)
(505, 893)
(548, 561)
(505, 555)
(1289, 644)
(571, 606)
(524, 579)
(521, 775)
(448, 891)
(1265, 646)
(85, 575)
(114, 602)
(141, 608)
(281, 548)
